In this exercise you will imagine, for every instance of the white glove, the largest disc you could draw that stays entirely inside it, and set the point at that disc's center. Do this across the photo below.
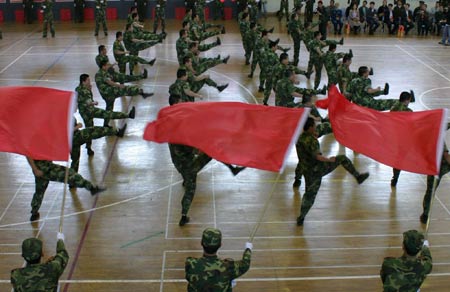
(233, 283)
(249, 245)
(426, 243)
(60, 236)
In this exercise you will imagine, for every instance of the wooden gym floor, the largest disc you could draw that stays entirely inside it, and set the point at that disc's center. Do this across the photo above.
(128, 238)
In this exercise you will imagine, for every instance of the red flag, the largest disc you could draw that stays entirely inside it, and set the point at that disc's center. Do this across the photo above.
(411, 141)
(36, 122)
(244, 134)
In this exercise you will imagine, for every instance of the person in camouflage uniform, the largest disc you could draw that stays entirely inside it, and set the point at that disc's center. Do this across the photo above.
(286, 91)
(330, 60)
(308, 10)
(28, 6)
(182, 45)
(295, 29)
(324, 18)
(122, 56)
(314, 166)
(111, 90)
(261, 44)
(47, 11)
(197, 31)
(141, 33)
(210, 273)
(160, 16)
(200, 65)
(79, 10)
(284, 10)
(84, 136)
(100, 16)
(196, 82)
(219, 12)
(361, 92)
(36, 276)
(88, 111)
(253, 10)
(269, 62)
(141, 8)
(282, 66)
(182, 88)
(444, 169)
(344, 75)
(200, 9)
(316, 57)
(408, 272)
(45, 171)
(249, 40)
(401, 106)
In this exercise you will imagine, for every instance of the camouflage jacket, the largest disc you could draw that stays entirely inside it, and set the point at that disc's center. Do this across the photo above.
(209, 273)
(344, 76)
(250, 37)
(178, 88)
(47, 9)
(268, 61)
(99, 58)
(191, 76)
(100, 6)
(160, 6)
(84, 99)
(118, 46)
(283, 93)
(405, 274)
(313, 45)
(330, 61)
(358, 88)
(182, 155)
(101, 78)
(309, 148)
(279, 70)
(400, 107)
(182, 46)
(41, 277)
(295, 28)
(244, 26)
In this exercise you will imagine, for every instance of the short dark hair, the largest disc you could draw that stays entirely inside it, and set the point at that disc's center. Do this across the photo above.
(101, 48)
(185, 23)
(244, 15)
(362, 70)
(181, 73)
(288, 73)
(346, 58)
(83, 77)
(127, 26)
(308, 124)
(103, 63)
(134, 15)
(182, 31)
(404, 96)
(118, 34)
(186, 59)
(331, 47)
(316, 33)
(284, 56)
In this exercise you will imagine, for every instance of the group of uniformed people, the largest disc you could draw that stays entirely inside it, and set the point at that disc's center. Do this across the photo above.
(278, 74)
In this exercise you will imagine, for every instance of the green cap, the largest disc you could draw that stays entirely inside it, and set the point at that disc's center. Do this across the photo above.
(413, 241)
(31, 249)
(212, 237)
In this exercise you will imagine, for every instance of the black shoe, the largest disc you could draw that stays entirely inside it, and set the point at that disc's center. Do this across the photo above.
(271, 30)
(222, 87)
(413, 96)
(285, 50)
(96, 34)
(266, 104)
(44, 36)
(132, 113)
(423, 218)
(218, 42)
(386, 89)
(393, 182)
(261, 89)
(53, 35)
(308, 75)
(152, 62)
(121, 132)
(350, 53)
(371, 71)
(250, 75)
(90, 152)
(34, 216)
(184, 219)
(226, 59)
(296, 183)
(324, 90)
(223, 30)
(300, 221)
(95, 190)
(247, 62)
(106, 33)
(145, 95)
(145, 74)
(237, 169)
(341, 42)
(277, 41)
(362, 177)
(218, 57)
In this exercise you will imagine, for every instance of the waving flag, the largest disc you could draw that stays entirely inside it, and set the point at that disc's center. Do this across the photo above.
(411, 141)
(244, 134)
(36, 122)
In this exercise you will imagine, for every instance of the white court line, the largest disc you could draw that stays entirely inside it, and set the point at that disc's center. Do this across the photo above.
(10, 202)
(313, 221)
(15, 60)
(11, 253)
(161, 286)
(426, 92)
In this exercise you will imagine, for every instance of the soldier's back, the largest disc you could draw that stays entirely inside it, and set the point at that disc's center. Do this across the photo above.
(403, 274)
(208, 274)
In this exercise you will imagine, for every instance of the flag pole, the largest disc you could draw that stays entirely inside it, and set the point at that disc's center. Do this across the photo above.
(61, 216)
(266, 205)
(433, 193)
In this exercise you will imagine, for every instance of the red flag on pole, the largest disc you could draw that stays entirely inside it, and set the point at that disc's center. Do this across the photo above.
(411, 141)
(36, 122)
(237, 133)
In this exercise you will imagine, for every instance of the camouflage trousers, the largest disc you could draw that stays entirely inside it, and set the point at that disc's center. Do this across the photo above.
(134, 51)
(205, 47)
(111, 93)
(207, 34)
(100, 19)
(321, 129)
(123, 60)
(189, 173)
(159, 16)
(48, 22)
(332, 77)
(296, 39)
(197, 85)
(248, 49)
(123, 78)
(206, 63)
(98, 113)
(376, 104)
(147, 36)
(313, 179)
(318, 65)
(284, 10)
(445, 168)
(255, 61)
(54, 172)
(84, 136)
(268, 86)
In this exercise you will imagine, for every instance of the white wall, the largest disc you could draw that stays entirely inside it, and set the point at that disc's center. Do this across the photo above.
(274, 5)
